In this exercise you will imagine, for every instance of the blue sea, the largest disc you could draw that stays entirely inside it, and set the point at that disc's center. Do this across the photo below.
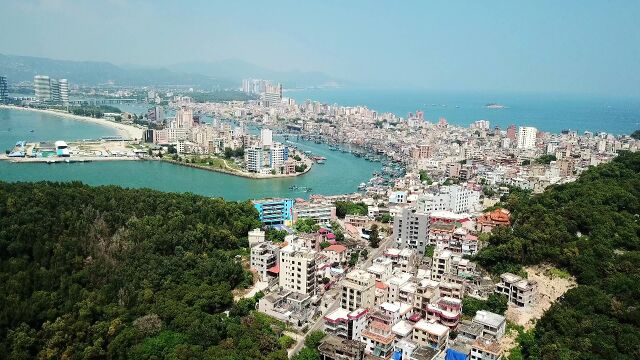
(546, 112)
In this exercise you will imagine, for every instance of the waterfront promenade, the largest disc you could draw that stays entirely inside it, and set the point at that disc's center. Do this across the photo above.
(126, 131)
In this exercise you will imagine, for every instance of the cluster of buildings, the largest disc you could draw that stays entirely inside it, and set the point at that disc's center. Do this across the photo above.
(398, 305)
(270, 94)
(519, 156)
(266, 156)
(51, 91)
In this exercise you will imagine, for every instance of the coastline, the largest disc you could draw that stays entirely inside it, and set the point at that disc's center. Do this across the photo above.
(243, 174)
(124, 130)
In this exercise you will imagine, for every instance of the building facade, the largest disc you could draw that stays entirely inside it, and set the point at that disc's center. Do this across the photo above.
(297, 269)
(274, 211)
(411, 229)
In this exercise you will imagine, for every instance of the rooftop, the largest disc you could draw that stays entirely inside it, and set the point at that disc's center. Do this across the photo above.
(489, 318)
(432, 327)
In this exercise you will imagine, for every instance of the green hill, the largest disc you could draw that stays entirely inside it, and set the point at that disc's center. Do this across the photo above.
(104, 272)
(591, 228)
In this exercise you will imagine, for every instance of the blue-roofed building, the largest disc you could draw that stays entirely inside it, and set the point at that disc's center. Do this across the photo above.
(275, 211)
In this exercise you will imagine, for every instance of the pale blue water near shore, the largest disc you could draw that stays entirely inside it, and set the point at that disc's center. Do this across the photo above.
(342, 172)
(552, 113)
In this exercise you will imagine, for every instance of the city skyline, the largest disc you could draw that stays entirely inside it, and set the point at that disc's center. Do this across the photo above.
(571, 47)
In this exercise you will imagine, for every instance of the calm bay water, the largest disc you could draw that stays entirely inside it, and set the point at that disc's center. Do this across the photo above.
(552, 113)
(342, 172)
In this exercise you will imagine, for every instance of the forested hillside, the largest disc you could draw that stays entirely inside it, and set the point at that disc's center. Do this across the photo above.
(104, 272)
(592, 229)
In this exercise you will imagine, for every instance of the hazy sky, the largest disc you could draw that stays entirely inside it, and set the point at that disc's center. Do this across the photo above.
(549, 46)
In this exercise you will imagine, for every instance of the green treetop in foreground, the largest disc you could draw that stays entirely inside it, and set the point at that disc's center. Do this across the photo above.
(91, 273)
(591, 228)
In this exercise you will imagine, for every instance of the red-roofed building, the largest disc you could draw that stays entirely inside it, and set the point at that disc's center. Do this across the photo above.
(336, 253)
(488, 221)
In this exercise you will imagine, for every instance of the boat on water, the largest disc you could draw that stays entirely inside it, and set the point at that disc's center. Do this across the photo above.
(362, 186)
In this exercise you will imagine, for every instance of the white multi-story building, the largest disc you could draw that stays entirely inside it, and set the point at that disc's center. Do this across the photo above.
(358, 290)
(441, 264)
(64, 90)
(519, 291)
(277, 155)
(346, 324)
(184, 118)
(527, 137)
(382, 268)
(485, 349)
(298, 269)
(42, 87)
(321, 213)
(431, 334)
(411, 229)
(256, 236)
(264, 256)
(493, 325)
(266, 137)
(254, 158)
(454, 198)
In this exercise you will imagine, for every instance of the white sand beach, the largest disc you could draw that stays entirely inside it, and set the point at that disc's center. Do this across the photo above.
(124, 130)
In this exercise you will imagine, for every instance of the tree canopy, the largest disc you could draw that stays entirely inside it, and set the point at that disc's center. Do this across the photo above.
(591, 228)
(104, 272)
(344, 208)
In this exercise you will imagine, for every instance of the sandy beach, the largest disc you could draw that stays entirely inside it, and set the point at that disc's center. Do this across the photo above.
(124, 130)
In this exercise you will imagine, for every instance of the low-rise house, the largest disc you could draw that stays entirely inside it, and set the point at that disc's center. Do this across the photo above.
(382, 268)
(431, 334)
(489, 221)
(445, 310)
(346, 324)
(493, 325)
(469, 330)
(379, 339)
(520, 292)
(485, 349)
(336, 253)
(334, 348)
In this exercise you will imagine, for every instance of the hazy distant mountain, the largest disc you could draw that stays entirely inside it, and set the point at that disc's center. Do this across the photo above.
(23, 68)
(239, 69)
(221, 74)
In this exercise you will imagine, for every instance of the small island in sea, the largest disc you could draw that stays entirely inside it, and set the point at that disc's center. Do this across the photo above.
(495, 106)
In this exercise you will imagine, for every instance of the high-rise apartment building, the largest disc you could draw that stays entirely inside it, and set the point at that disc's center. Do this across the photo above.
(51, 90)
(55, 90)
(64, 91)
(298, 269)
(4, 89)
(266, 137)
(358, 290)
(273, 94)
(42, 87)
(184, 118)
(527, 137)
(411, 229)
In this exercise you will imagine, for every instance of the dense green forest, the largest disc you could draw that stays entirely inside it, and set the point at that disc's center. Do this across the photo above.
(591, 228)
(104, 272)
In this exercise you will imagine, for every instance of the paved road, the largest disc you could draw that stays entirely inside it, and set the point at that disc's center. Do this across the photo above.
(335, 302)
(374, 253)
(318, 324)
